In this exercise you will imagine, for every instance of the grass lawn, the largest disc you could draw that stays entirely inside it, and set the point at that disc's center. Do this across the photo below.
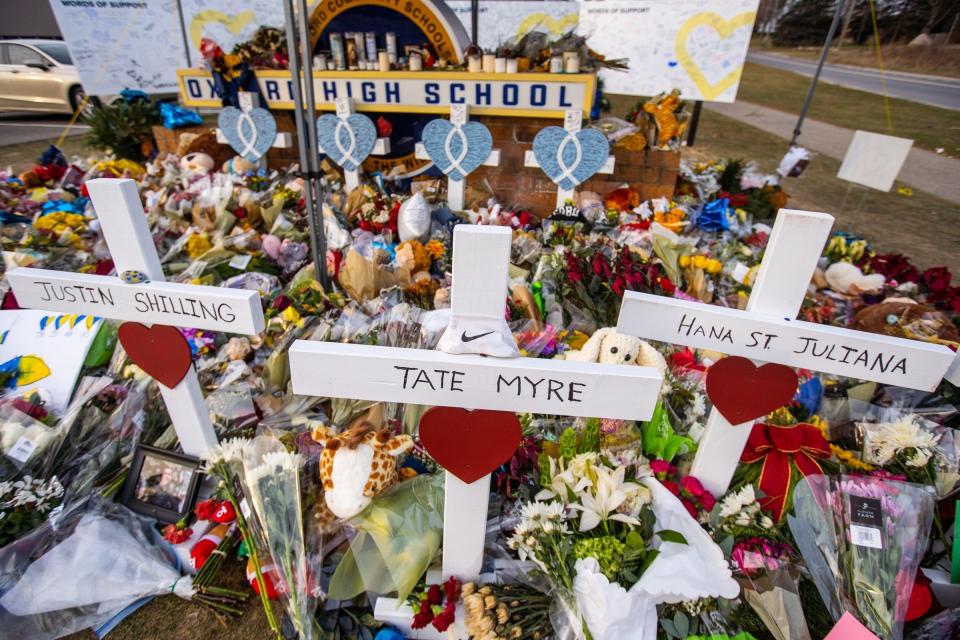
(937, 61)
(930, 127)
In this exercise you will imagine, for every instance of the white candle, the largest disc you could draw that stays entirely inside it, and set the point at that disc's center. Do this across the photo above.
(320, 62)
(489, 63)
(513, 65)
(474, 64)
(556, 64)
(571, 62)
(501, 65)
(383, 58)
(416, 62)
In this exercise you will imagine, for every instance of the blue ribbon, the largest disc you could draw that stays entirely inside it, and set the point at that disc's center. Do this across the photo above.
(713, 216)
(174, 116)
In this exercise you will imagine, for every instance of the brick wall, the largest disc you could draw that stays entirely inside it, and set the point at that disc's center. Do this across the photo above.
(652, 173)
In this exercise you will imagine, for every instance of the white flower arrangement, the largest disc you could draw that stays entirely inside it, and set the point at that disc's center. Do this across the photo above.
(907, 436)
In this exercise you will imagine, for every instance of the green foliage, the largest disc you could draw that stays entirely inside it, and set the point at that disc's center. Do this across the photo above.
(660, 440)
(607, 550)
(590, 437)
(122, 127)
(568, 444)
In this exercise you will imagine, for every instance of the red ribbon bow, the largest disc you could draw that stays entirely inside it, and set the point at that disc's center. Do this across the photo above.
(777, 447)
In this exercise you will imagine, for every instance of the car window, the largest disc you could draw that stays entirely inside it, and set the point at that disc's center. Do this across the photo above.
(18, 54)
(3, 53)
(57, 51)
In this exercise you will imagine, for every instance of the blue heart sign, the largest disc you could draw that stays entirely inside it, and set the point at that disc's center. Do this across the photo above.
(347, 141)
(568, 158)
(457, 150)
(250, 133)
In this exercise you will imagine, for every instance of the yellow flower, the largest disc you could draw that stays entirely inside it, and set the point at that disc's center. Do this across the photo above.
(700, 262)
(714, 266)
(684, 261)
(741, 213)
(197, 245)
(849, 460)
(290, 314)
(436, 249)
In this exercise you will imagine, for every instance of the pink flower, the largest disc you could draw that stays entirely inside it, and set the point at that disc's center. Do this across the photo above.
(692, 486)
(662, 468)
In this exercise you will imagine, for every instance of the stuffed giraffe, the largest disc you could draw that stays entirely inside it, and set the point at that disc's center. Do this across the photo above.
(357, 464)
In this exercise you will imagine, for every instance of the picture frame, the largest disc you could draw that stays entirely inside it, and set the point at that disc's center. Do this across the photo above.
(162, 484)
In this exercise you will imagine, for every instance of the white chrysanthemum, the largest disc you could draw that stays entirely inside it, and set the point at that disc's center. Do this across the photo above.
(735, 502)
(228, 450)
(906, 433)
(698, 408)
(919, 459)
(5, 488)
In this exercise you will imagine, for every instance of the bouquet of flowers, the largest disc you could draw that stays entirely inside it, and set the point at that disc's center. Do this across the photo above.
(614, 542)
(273, 482)
(862, 539)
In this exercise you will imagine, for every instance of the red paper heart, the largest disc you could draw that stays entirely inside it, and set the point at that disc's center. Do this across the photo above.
(469, 444)
(742, 392)
(159, 350)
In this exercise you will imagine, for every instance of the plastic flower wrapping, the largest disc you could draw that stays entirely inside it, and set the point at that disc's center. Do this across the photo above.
(328, 513)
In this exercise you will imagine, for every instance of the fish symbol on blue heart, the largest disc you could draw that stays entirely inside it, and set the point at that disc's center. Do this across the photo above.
(347, 141)
(457, 151)
(569, 158)
(251, 133)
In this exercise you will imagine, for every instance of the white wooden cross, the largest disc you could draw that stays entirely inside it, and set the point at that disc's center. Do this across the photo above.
(481, 260)
(345, 108)
(768, 331)
(127, 234)
(283, 140)
(572, 122)
(459, 116)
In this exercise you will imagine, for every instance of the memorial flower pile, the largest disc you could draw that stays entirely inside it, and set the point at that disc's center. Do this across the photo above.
(596, 527)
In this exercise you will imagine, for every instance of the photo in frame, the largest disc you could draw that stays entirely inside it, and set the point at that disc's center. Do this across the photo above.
(162, 484)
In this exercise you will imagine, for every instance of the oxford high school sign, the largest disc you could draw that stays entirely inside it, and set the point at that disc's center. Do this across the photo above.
(513, 94)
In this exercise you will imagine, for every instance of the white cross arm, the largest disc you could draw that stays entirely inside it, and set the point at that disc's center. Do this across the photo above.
(769, 338)
(179, 305)
(530, 161)
(284, 139)
(419, 376)
(493, 158)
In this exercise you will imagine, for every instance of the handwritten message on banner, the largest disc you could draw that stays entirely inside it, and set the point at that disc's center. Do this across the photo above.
(844, 352)
(418, 376)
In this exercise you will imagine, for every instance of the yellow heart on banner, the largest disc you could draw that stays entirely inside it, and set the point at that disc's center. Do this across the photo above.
(234, 24)
(725, 28)
(553, 26)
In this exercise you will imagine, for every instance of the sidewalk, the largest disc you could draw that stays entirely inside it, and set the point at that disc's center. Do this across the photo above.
(923, 170)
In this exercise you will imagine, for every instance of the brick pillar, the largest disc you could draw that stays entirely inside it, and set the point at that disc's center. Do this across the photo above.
(652, 174)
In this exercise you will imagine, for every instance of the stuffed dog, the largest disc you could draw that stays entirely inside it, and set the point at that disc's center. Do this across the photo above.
(607, 346)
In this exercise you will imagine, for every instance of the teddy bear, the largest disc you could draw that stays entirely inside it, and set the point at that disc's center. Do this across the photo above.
(608, 346)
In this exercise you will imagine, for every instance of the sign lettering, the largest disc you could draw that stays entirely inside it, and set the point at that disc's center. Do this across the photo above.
(854, 354)
(526, 94)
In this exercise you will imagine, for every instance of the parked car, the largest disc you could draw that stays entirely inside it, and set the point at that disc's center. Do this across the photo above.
(38, 75)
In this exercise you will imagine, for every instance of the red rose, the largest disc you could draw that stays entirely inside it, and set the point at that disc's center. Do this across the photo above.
(671, 486)
(281, 302)
(205, 509)
(601, 266)
(937, 279)
(451, 587)
(665, 284)
(689, 506)
(692, 486)
(173, 535)
(895, 266)
(446, 617)
(618, 286)
(708, 501)
(434, 595)
(661, 468)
